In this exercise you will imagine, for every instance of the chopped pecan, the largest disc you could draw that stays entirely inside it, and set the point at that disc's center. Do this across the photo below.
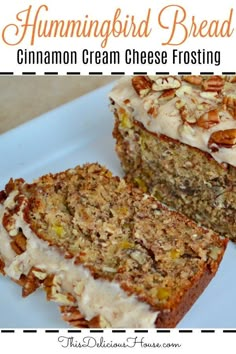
(186, 115)
(193, 79)
(166, 83)
(48, 283)
(79, 258)
(73, 316)
(210, 95)
(14, 185)
(186, 130)
(68, 255)
(40, 274)
(153, 111)
(99, 322)
(166, 95)
(213, 83)
(222, 138)
(127, 101)
(19, 243)
(229, 103)
(54, 292)
(183, 90)
(10, 186)
(2, 265)
(142, 85)
(21, 281)
(203, 106)
(9, 223)
(231, 78)
(209, 119)
(3, 196)
(151, 105)
(31, 282)
(179, 104)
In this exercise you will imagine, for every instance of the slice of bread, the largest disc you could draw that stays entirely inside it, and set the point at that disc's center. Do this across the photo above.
(176, 139)
(108, 254)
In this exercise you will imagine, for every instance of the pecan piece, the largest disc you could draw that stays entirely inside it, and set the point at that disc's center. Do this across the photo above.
(142, 85)
(31, 283)
(213, 83)
(183, 90)
(166, 83)
(99, 322)
(209, 119)
(2, 265)
(222, 138)
(21, 281)
(3, 196)
(126, 101)
(153, 111)
(166, 95)
(54, 292)
(229, 103)
(193, 79)
(19, 243)
(186, 130)
(186, 115)
(210, 95)
(48, 283)
(73, 316)
(203, 106)
(230, 78)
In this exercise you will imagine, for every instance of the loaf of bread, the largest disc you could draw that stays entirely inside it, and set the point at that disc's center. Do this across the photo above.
(176, 138)
(107, 253)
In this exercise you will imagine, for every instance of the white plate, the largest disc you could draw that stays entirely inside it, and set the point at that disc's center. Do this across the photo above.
(79, 132)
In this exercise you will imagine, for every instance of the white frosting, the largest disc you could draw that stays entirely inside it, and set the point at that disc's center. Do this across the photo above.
(168, 121)
(94, 297)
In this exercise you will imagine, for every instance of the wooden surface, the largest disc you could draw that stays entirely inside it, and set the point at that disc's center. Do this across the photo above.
(25, 97)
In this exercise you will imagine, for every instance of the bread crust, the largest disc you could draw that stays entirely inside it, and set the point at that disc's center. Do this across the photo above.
(149, 251)
(181, 176)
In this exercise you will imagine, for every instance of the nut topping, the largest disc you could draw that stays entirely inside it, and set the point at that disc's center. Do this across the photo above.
(142, 85)
(166, 83)
(73, 316)
(183, 90)
(223, 138)
(186, 116)
(231, 78)
(209, 119)
(2, 266)
(203, 106)
(186, 130)
(52, 287)
(153, 111)
(166, 95)
(99, 322)
(31, 282)
(209, 95)
(230, 104)
(19, 243)
(193, 79)
(213, 83)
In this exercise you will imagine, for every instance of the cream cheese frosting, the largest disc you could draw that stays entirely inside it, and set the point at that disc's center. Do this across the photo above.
(93, 296)
(168, 120)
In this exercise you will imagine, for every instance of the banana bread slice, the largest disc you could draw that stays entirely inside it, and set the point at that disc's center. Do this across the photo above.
(176, 138)
(108, 254)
